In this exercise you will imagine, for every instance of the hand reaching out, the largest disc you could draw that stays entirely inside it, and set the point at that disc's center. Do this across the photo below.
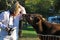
(9, 30)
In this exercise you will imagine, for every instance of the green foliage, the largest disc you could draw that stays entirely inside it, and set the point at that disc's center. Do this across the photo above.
(32, 5)
(3, 4)
(37, 6)
(6, 4)
(57, 5)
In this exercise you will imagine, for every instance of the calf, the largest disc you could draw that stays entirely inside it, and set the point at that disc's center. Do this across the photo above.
(49, 31)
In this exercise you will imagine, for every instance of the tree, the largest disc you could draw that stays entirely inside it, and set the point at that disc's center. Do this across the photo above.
(6, 4)
(3, 5)
(57, 5)
(22, 2)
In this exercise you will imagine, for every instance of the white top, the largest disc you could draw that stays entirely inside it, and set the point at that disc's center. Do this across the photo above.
(6, 19)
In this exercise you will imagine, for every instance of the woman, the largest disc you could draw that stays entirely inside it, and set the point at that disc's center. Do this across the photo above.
(10, 19)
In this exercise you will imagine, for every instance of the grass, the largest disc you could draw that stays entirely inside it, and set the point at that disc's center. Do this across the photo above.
(28, 33)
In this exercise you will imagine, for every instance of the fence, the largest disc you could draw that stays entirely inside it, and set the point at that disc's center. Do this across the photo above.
(49, 37)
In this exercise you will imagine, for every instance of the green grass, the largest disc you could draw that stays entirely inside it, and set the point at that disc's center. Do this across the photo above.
(28, 33)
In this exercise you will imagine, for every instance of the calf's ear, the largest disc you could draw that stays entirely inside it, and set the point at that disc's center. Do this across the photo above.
(36, 20)
(44, 19)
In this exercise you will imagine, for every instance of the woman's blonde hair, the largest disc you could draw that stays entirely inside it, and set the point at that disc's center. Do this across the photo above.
(15, 7)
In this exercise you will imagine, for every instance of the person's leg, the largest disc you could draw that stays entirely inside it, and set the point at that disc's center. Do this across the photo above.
(15, 34)
(1, 38)
(7, 38)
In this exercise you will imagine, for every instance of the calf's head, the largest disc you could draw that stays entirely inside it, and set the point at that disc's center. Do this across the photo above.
(35, 21)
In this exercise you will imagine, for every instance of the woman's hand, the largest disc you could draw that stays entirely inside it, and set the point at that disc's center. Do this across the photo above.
(9, 30)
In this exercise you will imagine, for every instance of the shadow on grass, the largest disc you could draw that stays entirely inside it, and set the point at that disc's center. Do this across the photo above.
(28, 32)
(29, 36)
(29, 28)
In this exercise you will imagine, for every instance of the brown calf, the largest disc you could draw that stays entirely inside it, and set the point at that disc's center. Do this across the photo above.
(45, 30)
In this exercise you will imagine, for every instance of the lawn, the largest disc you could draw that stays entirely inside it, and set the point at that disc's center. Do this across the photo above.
(28, 33)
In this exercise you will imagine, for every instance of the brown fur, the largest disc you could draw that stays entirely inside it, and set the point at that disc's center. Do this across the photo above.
(42, 26)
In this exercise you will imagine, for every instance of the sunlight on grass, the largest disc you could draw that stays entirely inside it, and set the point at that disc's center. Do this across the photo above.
(29, 39)
(28, 33)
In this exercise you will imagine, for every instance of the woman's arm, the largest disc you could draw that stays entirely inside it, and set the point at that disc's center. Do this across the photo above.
(2, 25)
(3, 17)
(23, 11)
